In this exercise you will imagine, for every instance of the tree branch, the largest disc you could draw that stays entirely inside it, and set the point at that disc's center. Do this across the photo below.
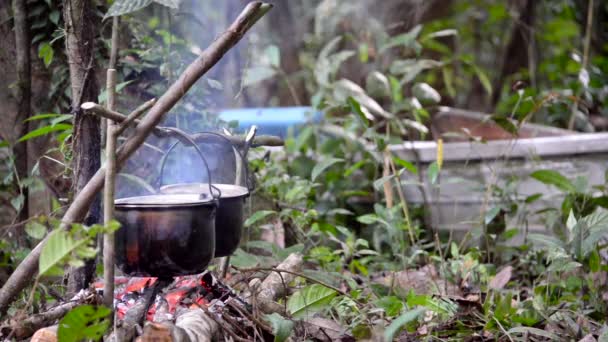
(159, 131)
(75, 213)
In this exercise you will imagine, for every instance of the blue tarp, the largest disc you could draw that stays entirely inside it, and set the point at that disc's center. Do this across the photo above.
(272, 121)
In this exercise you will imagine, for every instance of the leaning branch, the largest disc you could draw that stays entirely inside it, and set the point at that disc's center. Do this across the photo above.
(161, 132)
(77, 210)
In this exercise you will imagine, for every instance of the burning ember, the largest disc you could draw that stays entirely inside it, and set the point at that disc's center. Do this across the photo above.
(186, 292)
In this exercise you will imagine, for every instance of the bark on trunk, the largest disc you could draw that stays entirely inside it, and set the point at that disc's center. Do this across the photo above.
(23, 92)
(81, 23)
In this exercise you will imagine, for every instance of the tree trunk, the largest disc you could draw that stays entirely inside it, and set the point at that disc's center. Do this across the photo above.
(23, 92)
(81, 24)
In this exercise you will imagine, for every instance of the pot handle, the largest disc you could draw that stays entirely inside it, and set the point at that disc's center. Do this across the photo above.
(244, 162)
(185, 137)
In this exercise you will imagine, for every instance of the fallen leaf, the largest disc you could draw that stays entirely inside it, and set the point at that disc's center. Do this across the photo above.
(322, 328)
(501, 279)
(588, 338)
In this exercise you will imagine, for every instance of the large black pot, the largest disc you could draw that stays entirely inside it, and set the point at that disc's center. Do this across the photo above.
(230, 211)
(165, 235)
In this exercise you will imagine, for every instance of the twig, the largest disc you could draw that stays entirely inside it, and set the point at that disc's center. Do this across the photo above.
(26, 270)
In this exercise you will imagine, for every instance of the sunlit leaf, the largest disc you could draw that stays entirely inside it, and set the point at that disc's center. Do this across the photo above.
(35, 230)
(554, 178)
(58, 246)
(355, 107)
(83, 323)
(44, 131)
(45, 51)
(311, 299)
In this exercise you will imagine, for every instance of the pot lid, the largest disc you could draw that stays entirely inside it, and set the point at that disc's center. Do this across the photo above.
(164, 200)
(227, 190)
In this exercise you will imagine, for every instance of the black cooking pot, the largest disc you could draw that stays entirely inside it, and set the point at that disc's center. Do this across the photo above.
(230, 211)
(228, 165)
(165, 235)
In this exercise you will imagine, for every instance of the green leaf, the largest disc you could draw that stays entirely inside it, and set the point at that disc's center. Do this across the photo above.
(491, 214)
(320, 167)
(433, 172)
(43, 116)
(257, 74)
(594, 261)
(44, 131)
(273, 54)
(84, 322)
(406, 164)
(407, 39)
(121, 7)
(483, 78)
(169, 3)
(505, 123)
(571, 222)
(215, 84)
(45, 51)
(534, 331)
(4, 143)
(355, 107)
(258, 216)
(448, 80)
(400, 321)
(533, 198)
(441, 33)
(35, 230)
(58, 246)
(243, 259)
(379, 183)
(554, 178)
(17, 202)
(281, 327)
(426, 94)
(391, 305)
(546, 240)
(310, 299)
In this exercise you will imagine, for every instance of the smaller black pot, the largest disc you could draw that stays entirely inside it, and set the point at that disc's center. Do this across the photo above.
(230, 211)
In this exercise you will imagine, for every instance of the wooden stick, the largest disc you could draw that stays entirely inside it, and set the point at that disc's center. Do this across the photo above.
(159, 131)
(22, 329)
(110, 179)
(26, 271)
(108, 196)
